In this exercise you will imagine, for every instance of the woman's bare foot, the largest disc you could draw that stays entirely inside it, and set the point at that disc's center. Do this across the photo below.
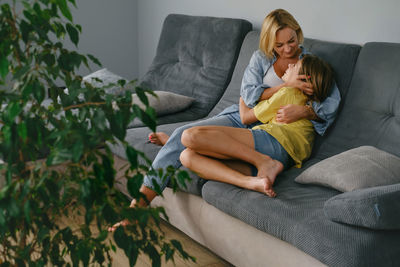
(118, 224)
(269, 168)
(158, 138)
(126, 221)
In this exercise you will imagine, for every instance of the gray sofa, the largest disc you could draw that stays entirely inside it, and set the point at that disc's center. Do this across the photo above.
(307, 224)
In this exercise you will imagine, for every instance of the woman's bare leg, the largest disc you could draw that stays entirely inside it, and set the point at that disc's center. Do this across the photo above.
(218, 171)
(230, 143)
(158, 138)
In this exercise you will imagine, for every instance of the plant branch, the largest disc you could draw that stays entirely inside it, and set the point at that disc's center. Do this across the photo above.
(84, 104)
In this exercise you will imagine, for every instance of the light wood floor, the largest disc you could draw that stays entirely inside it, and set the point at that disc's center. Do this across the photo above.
(203, 256)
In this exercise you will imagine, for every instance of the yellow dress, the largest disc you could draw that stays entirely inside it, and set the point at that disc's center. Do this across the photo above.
(297, 137)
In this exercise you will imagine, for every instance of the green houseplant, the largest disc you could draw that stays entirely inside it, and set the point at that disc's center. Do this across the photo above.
(53, 148)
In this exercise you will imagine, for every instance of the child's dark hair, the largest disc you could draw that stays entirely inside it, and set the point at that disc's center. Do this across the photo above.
(319, 74)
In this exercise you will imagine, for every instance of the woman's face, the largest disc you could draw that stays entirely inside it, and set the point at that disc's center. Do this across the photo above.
(286, 44)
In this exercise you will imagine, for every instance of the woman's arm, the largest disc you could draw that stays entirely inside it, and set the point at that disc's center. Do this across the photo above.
(246, 114)
(321, 114)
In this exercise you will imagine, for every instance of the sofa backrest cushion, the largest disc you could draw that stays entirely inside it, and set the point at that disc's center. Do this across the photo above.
(371, 109)
(232, 93)
(195, 57)
(342, 58)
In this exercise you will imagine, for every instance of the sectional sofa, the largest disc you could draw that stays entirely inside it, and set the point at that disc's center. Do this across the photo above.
(341, 209)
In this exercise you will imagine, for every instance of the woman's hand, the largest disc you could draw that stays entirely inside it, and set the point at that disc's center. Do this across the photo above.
(291, 113)
(293, 79)
(247, 115)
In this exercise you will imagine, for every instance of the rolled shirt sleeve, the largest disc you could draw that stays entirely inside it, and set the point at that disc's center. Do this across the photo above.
(252, 83)
(326, 110)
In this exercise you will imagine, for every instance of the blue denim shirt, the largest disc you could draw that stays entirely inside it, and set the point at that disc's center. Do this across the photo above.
(252, 87)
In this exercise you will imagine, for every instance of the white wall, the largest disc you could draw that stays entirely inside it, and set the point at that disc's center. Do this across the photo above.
(109, 32)
(350, 21)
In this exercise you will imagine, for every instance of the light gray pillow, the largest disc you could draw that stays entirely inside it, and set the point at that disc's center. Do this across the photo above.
(106, 77)
(361, 167)
(165, 102)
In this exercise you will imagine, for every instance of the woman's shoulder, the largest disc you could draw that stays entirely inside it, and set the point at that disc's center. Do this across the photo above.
(260, 59)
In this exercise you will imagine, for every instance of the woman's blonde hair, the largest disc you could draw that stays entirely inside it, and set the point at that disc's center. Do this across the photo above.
(273, 22)
(319, 74)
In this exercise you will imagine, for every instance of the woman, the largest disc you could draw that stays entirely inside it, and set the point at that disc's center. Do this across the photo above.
(262, 78)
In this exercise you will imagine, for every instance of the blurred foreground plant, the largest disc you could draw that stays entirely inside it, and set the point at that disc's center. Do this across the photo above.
(53, 147)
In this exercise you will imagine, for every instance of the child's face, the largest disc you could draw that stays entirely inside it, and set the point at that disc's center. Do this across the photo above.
(292, 70)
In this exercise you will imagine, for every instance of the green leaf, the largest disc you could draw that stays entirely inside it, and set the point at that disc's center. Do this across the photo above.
(3, 67)
(13, 110)
(27, 212)
(94, 60)
(73, 33)
(132, 156)
(134, 185)
(22, 131)
(38, 91)
(63, 6)
(109, 172)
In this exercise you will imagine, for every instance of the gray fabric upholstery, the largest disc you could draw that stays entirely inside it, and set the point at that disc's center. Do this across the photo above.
(195, 57)
(297, 216)
(375, 208)
(357, 168)
(371, 109)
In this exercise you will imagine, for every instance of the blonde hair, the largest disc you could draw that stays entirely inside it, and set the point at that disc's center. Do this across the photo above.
(319, 74)
(273, 22)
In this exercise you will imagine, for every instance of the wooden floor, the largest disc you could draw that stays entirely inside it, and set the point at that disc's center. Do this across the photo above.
(203, 256)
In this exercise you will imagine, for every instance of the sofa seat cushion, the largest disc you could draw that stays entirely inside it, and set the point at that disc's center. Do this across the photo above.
(375, 208)
(297, 216)
(361, 167)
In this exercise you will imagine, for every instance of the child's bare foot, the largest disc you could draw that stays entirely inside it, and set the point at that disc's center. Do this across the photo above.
(262, 185)
(270, 168)
(158, 138)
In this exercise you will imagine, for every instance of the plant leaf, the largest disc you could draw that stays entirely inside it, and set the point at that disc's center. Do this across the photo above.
(73, 33)
(63, 6)
(3, 67)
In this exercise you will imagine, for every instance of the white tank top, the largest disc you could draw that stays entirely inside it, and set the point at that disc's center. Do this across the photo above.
(271, 78)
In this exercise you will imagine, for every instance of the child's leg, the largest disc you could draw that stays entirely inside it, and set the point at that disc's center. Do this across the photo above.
(227, 142)
(214, 169)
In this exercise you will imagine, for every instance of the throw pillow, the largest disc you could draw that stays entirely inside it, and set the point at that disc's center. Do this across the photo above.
(165, 102)
(374, 208)
(106, 78)
(361, 167)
